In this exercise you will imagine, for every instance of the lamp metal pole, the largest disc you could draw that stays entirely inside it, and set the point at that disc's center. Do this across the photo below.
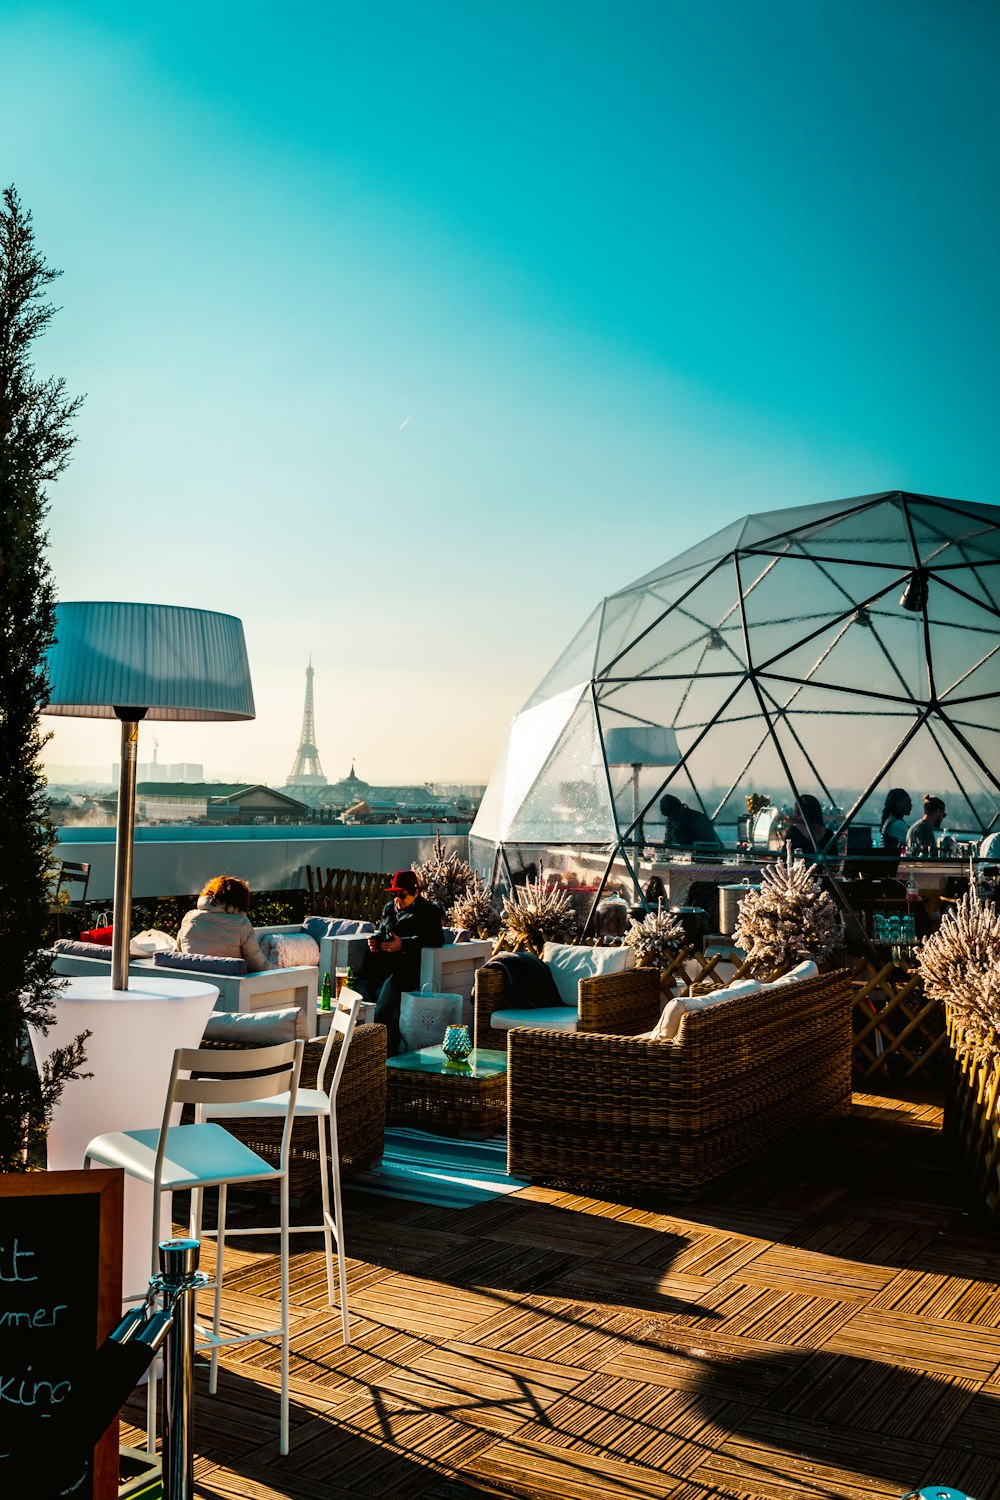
(124, 836)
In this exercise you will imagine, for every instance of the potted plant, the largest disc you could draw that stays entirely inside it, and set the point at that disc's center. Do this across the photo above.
(790, 918)
(535, 914)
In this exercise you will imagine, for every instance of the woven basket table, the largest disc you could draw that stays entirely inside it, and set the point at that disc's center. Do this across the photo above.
(425, 1090)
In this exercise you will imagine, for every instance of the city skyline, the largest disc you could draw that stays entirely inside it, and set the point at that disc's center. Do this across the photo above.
(407, 338)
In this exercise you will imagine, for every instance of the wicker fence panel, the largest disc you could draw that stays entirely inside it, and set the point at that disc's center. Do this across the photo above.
(347, 893)
(972, 1117)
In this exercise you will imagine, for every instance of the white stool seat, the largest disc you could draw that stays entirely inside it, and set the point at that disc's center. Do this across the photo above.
(307, 1102)
(194, 1156)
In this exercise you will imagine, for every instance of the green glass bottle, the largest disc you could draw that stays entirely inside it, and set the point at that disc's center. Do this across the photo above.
(324, 994)
(349, 978)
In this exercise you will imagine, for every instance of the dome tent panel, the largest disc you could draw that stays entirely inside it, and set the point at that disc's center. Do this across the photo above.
(569, 799)
(532, 737)
(701, 630)
(967, 530)
(575, 664)
(882, 657)
(980, 581)
(631, 614)
(966, 664)
(696, 561)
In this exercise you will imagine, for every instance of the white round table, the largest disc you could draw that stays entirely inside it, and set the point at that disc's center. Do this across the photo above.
(130, 1052)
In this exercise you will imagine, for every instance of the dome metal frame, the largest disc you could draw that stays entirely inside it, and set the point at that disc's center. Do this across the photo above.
(816, 649)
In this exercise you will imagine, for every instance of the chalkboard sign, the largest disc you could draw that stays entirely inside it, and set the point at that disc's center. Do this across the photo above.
(60, 1297)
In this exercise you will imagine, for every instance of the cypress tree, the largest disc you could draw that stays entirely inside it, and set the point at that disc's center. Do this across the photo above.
(35, 442)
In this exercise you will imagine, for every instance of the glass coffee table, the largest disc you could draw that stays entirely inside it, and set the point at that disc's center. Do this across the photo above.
(425, 1090)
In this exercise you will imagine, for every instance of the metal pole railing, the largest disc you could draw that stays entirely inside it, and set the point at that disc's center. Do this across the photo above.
(179, 1280)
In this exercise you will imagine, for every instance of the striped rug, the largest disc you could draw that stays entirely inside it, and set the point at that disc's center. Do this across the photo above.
(439, 1170)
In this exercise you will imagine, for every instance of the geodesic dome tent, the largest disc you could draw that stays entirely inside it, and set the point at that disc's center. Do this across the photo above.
(837, 649)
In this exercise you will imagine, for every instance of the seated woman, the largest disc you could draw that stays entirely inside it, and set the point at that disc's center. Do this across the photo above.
(220, 926)
(809, 835)
(894, 826)
(686, 826)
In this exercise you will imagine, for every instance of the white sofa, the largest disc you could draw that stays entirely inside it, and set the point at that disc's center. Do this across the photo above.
(450, 970)
(273, 989)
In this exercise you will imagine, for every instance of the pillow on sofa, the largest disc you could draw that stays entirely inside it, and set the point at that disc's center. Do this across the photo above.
(323, 927)
(676, 1009)
(569, 964)
(317, 927)
(807, 969)
(255, 1028)
(456, 934)
(81, 950)
(285, 950)
(199, 963)
(715, 997)
(669, 1023)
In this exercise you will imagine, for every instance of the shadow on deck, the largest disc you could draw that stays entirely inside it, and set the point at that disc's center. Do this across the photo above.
(826, 1324)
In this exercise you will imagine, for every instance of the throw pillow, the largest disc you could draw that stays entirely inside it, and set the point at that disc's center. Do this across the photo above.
(82, 950)
(669, 1023)
(569, 964)
(317, 927)
(199, 963)
(807, 969)
(716, 997)
(286, 950)
(255, 1028)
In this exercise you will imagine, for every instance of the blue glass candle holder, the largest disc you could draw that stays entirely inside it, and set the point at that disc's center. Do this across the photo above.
(457, 1044)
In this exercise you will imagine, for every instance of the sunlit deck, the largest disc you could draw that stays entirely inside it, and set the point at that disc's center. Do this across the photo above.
(828, 1325)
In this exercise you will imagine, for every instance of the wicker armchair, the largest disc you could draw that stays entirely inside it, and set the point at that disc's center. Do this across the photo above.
(673, 1116)
(360, 1113)
(625, 1003)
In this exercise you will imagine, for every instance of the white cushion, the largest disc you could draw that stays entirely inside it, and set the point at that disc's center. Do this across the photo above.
(715, 997)
(286, 950)
(569, 964)
(807, 969)
(255, 1028)
(545, 1018)
(669, 1023)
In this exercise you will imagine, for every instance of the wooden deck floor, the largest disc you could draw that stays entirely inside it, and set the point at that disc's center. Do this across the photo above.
(828, 1325)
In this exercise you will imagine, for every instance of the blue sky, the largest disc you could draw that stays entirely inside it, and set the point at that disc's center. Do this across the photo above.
(409, 332)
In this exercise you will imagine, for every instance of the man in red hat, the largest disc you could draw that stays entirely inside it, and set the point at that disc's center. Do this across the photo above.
(409, 923)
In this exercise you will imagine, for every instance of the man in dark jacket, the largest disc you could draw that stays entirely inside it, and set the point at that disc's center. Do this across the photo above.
(408, 925)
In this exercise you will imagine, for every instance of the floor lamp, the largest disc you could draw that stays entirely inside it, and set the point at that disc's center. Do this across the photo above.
(638, 745)
(144, 661)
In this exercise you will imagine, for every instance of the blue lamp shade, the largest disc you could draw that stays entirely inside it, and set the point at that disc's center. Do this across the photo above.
(175, 663)
(641, 745)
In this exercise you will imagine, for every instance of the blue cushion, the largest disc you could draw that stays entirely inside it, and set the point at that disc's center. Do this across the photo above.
(82, 950)
(317, 927)
(202, 963)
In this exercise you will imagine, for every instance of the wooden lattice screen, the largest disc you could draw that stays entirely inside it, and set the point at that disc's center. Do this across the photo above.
(899, 1035)
(358, 894)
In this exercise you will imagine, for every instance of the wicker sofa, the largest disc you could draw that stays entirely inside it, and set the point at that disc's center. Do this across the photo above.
(360, 1113)
(672, 1116)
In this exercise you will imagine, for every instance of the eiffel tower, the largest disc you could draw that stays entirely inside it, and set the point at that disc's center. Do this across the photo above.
(307, 770)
